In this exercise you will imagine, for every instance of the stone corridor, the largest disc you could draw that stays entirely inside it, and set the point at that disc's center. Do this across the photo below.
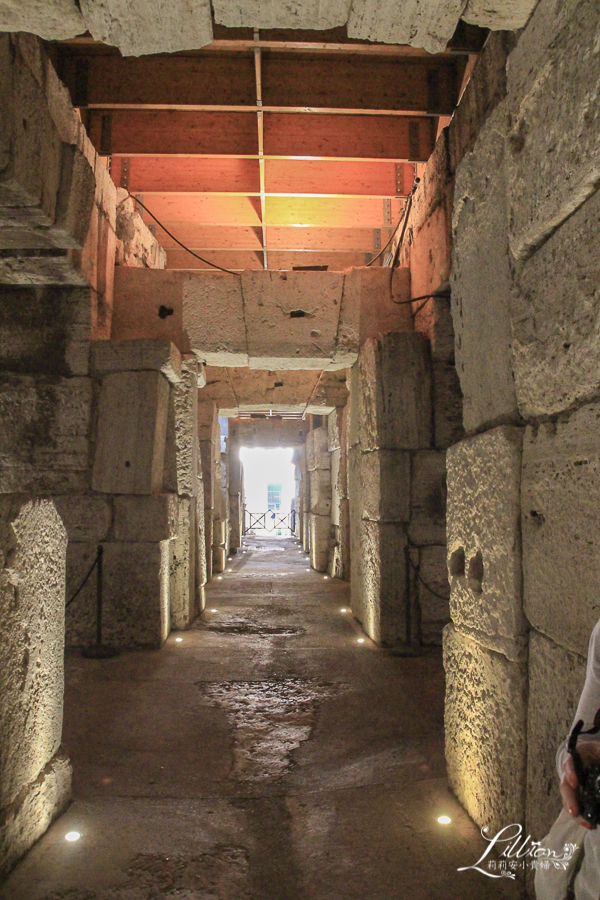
(263, 754)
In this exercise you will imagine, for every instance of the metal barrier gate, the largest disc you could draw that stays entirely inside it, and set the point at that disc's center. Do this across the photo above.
(271, 520)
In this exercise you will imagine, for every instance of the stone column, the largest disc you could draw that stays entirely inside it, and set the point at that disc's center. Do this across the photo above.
(318, 463)
(208, 436)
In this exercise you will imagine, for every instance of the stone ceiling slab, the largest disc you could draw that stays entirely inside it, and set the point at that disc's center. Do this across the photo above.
(422, 23)
(53, 20)
(507, 16)
(163, 26)
(312, 14)
(213, 315)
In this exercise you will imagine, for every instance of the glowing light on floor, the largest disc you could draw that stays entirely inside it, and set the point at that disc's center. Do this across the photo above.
(179, 640)
(219, 578)
(343, 609)
(308, 568)
(360, 641)
(444, 820)
(72, 836)
(214, 610)
(230, 570)
(325, 577)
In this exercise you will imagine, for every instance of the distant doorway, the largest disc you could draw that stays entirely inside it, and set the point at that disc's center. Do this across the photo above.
(269, 491)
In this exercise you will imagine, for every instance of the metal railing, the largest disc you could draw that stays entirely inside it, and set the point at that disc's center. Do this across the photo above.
(271, 520)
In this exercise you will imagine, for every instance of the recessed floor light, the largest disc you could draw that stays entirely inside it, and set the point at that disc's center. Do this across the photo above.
(179, 640)
(325, 577)
(343, 609)
(72, 836)
(219, 578)
(214, 610)
(444, 820)
(360, 641)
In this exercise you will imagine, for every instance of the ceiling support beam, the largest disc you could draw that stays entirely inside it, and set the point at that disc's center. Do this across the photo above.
(261, 146)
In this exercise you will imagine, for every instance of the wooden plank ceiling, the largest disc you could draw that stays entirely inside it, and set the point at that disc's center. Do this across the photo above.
(272, 149)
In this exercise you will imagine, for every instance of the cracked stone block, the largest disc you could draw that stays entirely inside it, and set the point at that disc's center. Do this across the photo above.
(382, 610)
(434, 610)
(499, 16)
(142, 519)
(320, 492)
(428, 497)
(53, 20)
(429, 25)
(320, 534)
(132, 424)
(141, 355)
(310, 14)
(481, 280)
(33, 544)
(561, 546)
(556, 678)
(554, 134)
(45, 434)
(334, 429)
(395, 392)
(385, 491)
(484, 545)
(555, 318)
(485, 722)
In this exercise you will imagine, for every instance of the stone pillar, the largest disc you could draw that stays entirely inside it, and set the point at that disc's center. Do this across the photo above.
(208, 436)
(236, 493)
(35, 772)
(339, 559)
(318, 464)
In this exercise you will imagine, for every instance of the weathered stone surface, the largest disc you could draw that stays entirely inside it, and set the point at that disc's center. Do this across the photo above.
(428, 497)
(214, 317)
(508, 16)
(38, 804)
(333, 429)
(330, 391)
(136, 245)
(354, 405)
(481, 280)
(208, 473)
(139, 295)
(179, 26)
(555, 318)
(556, 678)
(434, 610)
(44, 434)
(238, 389)
(434, 319)
(85, 517)
(383, 607)
(141, 355)
(320, 534)
(275, 335)
(80, 613)
(554, 134)
(320, 492)
(485, 722)
(219, 556)
(337, 490)
(146, 518)
(136, 594)
(310, 14)
(132, 424)
(367, 290)
(182, 566)
(386, 485)
(561, 548)
(484, 546)
(270, 432)
(447, 405)
(53, 20)
(208, 540)
(395, 393)
(317, 454)
(429, 25)
(44, 329)
(184, 447)
(201, 573)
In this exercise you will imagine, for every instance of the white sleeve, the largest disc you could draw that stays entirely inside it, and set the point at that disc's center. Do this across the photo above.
(589, 702)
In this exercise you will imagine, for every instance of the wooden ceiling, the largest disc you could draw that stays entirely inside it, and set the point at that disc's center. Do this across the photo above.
(272, 149)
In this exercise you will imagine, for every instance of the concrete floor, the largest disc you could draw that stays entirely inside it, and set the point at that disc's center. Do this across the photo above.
(264, 754)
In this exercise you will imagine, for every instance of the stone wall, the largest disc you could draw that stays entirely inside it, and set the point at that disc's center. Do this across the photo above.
(523, 547)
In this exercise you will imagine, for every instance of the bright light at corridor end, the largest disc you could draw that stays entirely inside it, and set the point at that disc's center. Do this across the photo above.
(72, 836)
(444, 820)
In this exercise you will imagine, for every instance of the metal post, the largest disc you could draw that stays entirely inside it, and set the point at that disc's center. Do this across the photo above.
(99, 598)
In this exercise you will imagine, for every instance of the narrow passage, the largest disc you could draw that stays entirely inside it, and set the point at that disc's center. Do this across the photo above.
(265, 754)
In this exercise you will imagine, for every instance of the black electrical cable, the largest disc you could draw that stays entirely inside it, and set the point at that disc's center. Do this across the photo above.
(84, 582)
(177, 241)
(424, 583)
(422, 297)
(400, 220)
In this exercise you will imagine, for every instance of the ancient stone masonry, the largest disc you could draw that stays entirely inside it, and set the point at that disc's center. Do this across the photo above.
(523, 556)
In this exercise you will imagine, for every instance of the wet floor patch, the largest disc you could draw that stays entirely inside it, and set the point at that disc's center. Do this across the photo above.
(248, 628)
(270, 720)
(221, 874)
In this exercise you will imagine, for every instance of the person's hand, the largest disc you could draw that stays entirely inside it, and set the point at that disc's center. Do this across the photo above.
(590, 753)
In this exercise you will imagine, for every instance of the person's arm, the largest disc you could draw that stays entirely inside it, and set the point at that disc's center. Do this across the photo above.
(588, 744)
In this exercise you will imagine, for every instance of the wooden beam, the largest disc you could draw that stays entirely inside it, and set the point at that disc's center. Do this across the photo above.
(328, 177)
(176, 174)
(203, 238)
(238, 260)
(174, 210)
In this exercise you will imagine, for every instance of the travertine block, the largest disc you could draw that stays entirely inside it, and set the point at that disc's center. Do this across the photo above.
(140, 355)
(85, 517)
(136, 245)
(561, 546)
(53, 20)
(270, 14)
(354, 406)
(356, 532)
(208, 541)
(139, 295)
(219, 558)
(317, 454)
(136, 594)
(447, 405)
(338, 490)
(386, 485)
(434, 611)
(201, 575)
(481, 280)
(434, 319)
(45, 434)
(182, 566)
(213, 316)
(429, 25)
(320, 534)
(320, 492)
(554, 134)
(395, 393)
(383, 612)
(333, 429)
(484, 547)
(485, 722)
(368, 289)
(428, 497)
(556, 678)
(33, 544)
(555, 318)
(499, 16)
(185, 414)
(146, 518)
(132, 424)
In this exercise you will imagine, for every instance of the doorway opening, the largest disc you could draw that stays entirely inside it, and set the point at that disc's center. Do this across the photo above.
(270, 491)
